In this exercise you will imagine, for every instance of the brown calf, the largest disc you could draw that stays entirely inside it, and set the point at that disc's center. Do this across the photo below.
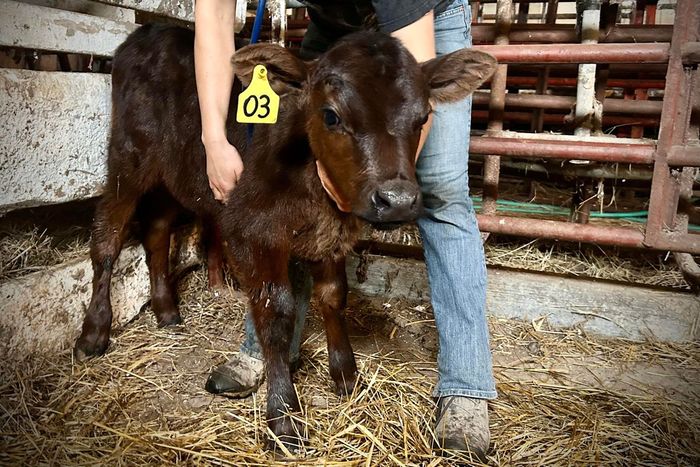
(352, 118)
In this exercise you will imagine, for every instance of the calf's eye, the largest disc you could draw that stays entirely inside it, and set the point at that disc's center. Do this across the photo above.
(419, 124)
(331, 119)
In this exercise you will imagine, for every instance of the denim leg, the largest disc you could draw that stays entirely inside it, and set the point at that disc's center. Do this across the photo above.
(453, 249)
(300, 279)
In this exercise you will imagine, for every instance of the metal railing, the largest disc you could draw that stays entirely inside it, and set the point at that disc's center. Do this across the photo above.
(674, 156)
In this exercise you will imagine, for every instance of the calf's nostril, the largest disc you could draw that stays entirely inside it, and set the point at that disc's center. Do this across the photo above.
(381, 200)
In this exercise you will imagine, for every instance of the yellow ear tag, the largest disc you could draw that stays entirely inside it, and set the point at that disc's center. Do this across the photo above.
(258, 103)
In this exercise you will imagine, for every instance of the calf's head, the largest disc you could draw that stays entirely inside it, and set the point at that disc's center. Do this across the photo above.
(365, 102)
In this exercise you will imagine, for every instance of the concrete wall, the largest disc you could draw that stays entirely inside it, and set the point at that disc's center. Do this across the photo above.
(54, 130)
(43, 311)
(597, 307)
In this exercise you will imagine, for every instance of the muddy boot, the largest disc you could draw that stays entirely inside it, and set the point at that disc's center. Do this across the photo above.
(239, 377)
(463, 425)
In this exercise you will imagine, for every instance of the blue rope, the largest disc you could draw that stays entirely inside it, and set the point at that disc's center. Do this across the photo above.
(254, 36)
(257, 25)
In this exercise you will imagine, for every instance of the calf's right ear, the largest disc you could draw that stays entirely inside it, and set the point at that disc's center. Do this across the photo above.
(454, 76)
(285, 72)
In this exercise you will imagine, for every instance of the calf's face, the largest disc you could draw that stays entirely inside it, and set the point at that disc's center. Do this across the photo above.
(366, 101)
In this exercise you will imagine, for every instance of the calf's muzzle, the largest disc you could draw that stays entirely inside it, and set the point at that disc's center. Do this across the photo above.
(393, 203)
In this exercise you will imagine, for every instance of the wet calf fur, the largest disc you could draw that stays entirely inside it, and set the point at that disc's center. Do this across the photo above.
(342, 152)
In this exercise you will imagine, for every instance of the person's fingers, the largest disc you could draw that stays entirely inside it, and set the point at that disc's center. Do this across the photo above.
(216, 192)
(226, 188)
(229, 189)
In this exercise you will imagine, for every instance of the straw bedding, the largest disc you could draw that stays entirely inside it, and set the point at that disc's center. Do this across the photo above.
(564, 398)
(26, 250)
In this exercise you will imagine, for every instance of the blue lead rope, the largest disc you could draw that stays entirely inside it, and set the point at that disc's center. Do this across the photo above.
(257, 25)
(254, 36)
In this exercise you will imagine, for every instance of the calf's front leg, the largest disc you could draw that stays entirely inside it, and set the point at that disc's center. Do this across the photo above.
(273, 311)
(331, 290)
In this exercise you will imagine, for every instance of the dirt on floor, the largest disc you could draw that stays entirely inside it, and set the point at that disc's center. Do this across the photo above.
(565, 398)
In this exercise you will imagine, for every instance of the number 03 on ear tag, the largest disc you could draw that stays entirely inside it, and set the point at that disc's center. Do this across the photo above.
(258, 103)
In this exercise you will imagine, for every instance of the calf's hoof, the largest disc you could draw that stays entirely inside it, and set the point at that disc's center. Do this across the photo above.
(345, 387)
(171, 318)
(86, 347)
(287, 434)
(216, 283)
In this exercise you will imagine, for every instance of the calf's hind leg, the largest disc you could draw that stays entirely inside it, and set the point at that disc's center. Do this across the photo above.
(157, 213)
(331, 290)
(112, 215)
(211, 234)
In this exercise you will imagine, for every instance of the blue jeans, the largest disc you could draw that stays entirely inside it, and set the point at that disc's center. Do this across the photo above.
(454, 253)
(453, 249)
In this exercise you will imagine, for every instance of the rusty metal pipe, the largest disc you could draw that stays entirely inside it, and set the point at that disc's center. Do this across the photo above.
(684, 156)
(582, 150)
(579, 53)
(537, 16)
(538, 115)
(562, 34)
(559, 230)
(690, 53)
(637, 107)
(558, 119)
(595, 171)
(538, 101)
(636, 34)
(492, 162)
(571, 82)
(685, 242)
(617, 70)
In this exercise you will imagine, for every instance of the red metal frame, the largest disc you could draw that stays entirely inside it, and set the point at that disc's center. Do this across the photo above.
(672, 156)
(662, 230)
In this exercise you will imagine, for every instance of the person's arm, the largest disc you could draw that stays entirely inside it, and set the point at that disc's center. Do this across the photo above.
(213, 48)
(419, 38)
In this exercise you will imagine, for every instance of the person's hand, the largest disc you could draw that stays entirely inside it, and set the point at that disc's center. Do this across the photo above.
(224, 168)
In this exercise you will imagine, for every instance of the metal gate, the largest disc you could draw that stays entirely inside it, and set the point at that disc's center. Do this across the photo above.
(674, 156)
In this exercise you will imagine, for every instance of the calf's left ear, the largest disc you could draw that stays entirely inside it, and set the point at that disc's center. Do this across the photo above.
(286, 73)
(454, 76)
